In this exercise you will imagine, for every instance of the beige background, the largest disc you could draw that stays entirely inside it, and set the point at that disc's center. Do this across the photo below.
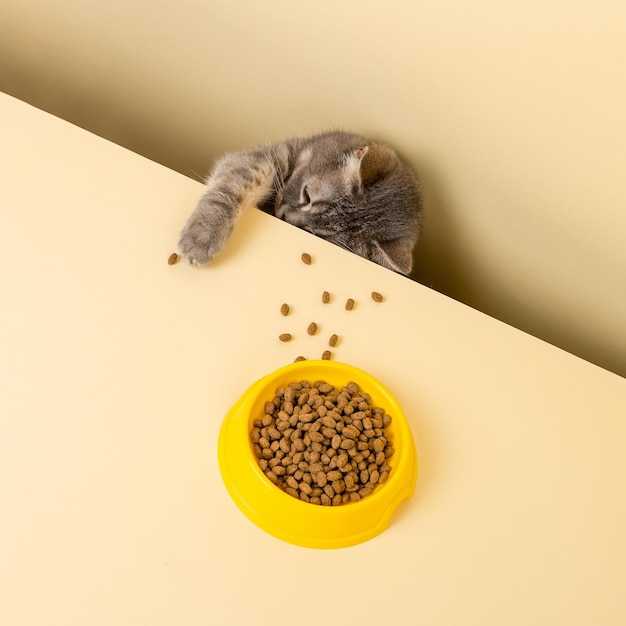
(117, 369)
(513, 113)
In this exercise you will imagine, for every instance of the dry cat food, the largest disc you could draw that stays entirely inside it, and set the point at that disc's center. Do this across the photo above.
(313, 328)
(322, 444)
(172, 258)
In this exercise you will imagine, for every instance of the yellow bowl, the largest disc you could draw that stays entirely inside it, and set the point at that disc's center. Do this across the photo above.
(286, 517)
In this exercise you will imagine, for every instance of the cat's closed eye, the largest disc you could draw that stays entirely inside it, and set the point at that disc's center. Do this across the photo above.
(305, 196)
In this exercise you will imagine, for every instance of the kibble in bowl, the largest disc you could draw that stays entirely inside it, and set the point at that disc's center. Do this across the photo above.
(360, 504)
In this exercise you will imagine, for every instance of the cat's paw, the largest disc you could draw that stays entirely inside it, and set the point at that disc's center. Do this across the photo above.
(202, 238)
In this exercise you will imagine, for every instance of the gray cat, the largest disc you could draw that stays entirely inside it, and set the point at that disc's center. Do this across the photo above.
(339, 186)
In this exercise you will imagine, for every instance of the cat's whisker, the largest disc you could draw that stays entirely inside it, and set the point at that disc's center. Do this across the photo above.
(196, 176)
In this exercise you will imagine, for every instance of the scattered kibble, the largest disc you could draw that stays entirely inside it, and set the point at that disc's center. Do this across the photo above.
(312, 328)
(322, 444)
(173, 258)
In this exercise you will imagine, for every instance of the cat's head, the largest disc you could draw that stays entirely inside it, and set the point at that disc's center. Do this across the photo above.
(355, 194)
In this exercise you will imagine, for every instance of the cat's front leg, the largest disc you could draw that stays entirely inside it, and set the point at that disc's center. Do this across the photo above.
(238, 180)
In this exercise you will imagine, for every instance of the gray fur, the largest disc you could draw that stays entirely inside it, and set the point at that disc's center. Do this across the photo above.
(342, 187)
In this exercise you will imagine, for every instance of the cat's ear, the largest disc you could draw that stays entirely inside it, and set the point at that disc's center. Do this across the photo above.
(397, 255)
(366, 165)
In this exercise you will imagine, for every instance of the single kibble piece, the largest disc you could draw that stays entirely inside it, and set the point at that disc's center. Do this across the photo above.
(172, 258)
(306, 258)
(332, 342)
(284, 309)
(326, 355)
(299, 358)
(312, 329)
(349, 304)
(377, 297)
(325, 297)
(285, 337)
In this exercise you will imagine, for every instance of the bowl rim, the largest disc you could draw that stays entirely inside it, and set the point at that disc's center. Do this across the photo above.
(286, 517)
